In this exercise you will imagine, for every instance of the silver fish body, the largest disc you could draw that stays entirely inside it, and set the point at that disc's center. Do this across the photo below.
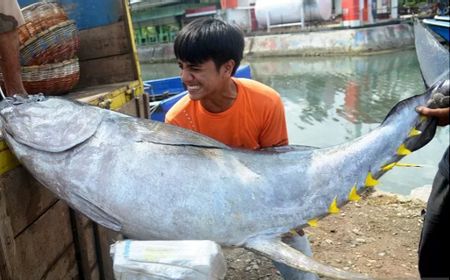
(151, 180)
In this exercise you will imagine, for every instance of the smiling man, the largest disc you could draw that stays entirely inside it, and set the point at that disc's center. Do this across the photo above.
(241, 113)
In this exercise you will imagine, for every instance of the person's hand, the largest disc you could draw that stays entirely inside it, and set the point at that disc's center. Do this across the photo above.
(441, 114)
(439, 100)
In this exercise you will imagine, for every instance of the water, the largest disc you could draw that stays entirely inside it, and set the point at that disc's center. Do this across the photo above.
(332, 100)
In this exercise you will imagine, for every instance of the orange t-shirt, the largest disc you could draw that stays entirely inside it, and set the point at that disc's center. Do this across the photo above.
(255, 120)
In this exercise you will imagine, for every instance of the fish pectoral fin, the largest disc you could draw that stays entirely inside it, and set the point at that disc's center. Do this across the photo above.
(94, 213)
(279, 251)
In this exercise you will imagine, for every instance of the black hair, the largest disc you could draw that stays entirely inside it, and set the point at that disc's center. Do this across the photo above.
(210, 38)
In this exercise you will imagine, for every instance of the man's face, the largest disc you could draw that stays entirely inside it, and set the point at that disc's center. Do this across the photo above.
(203, 80)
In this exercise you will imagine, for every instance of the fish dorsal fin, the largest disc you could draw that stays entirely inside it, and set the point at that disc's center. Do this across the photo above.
(275, 249)
(52, 125)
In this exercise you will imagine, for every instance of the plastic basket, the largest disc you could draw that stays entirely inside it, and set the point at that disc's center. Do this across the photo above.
(50, 79)
(39, 17)
(58, 43)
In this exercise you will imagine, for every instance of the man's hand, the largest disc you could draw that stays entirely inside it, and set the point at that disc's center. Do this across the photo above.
(441, 114)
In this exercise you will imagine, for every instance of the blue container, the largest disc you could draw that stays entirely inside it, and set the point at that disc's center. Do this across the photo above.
(165, 86)
(88, 13)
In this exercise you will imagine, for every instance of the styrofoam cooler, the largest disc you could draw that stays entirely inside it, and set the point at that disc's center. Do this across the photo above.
(189, 259)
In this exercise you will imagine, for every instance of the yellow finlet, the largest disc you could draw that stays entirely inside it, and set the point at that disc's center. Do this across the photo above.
(392, 165)
(403, 151)
(312, 222)
(353, 195)
(293, 232)
(370, 181)
(414, 132)
(422, 118)
(333, 209)
(389, 166)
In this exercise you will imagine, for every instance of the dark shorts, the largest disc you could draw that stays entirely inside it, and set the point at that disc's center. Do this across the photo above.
(434, 260)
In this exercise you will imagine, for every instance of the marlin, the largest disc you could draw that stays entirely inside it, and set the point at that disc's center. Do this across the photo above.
(151, 180)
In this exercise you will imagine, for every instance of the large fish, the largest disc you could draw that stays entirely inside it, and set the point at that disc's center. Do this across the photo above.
(150, 180)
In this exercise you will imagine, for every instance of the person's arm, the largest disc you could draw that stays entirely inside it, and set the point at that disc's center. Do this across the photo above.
(10, 63)
(441, 114)
(10, 19)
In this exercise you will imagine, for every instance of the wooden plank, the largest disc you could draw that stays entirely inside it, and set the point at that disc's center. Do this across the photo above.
(112, 99)
(137, 107)
(7, 244)
(26, 198)
(106, 70)
(104, 41)
(105, 238)
(82, 219)
(85, 244)
(95, 274)
(43, 243)
(95, 92)
(65, 268)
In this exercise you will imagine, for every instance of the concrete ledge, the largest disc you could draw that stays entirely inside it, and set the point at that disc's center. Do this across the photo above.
(156, 53)
(346, 41)
(331, 42)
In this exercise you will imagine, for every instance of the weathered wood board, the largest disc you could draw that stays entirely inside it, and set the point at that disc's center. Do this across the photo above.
(106, 70)
(42, 238)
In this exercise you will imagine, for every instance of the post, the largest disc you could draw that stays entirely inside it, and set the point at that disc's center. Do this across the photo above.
(268, 21)
(394, 9)
(302, 13)
(361, 12)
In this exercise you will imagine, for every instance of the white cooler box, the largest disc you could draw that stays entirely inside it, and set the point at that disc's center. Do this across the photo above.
(190, 259)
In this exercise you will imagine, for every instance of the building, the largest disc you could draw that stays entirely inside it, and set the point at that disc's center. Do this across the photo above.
(158, 21)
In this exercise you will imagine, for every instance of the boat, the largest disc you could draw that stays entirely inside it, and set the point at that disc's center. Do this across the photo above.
(164, 93)
(433, 57)
(440, 25)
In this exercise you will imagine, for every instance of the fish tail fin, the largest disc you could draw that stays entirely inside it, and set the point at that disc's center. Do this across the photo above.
(279, 251)
(426, 127)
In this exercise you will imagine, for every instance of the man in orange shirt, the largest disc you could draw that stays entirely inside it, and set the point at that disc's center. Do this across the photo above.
(241, 113)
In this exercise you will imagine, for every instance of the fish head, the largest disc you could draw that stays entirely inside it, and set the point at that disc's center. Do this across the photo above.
(49, 124)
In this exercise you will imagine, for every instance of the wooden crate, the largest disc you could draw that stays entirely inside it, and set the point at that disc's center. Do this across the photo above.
(42, 238)
(35, 231)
